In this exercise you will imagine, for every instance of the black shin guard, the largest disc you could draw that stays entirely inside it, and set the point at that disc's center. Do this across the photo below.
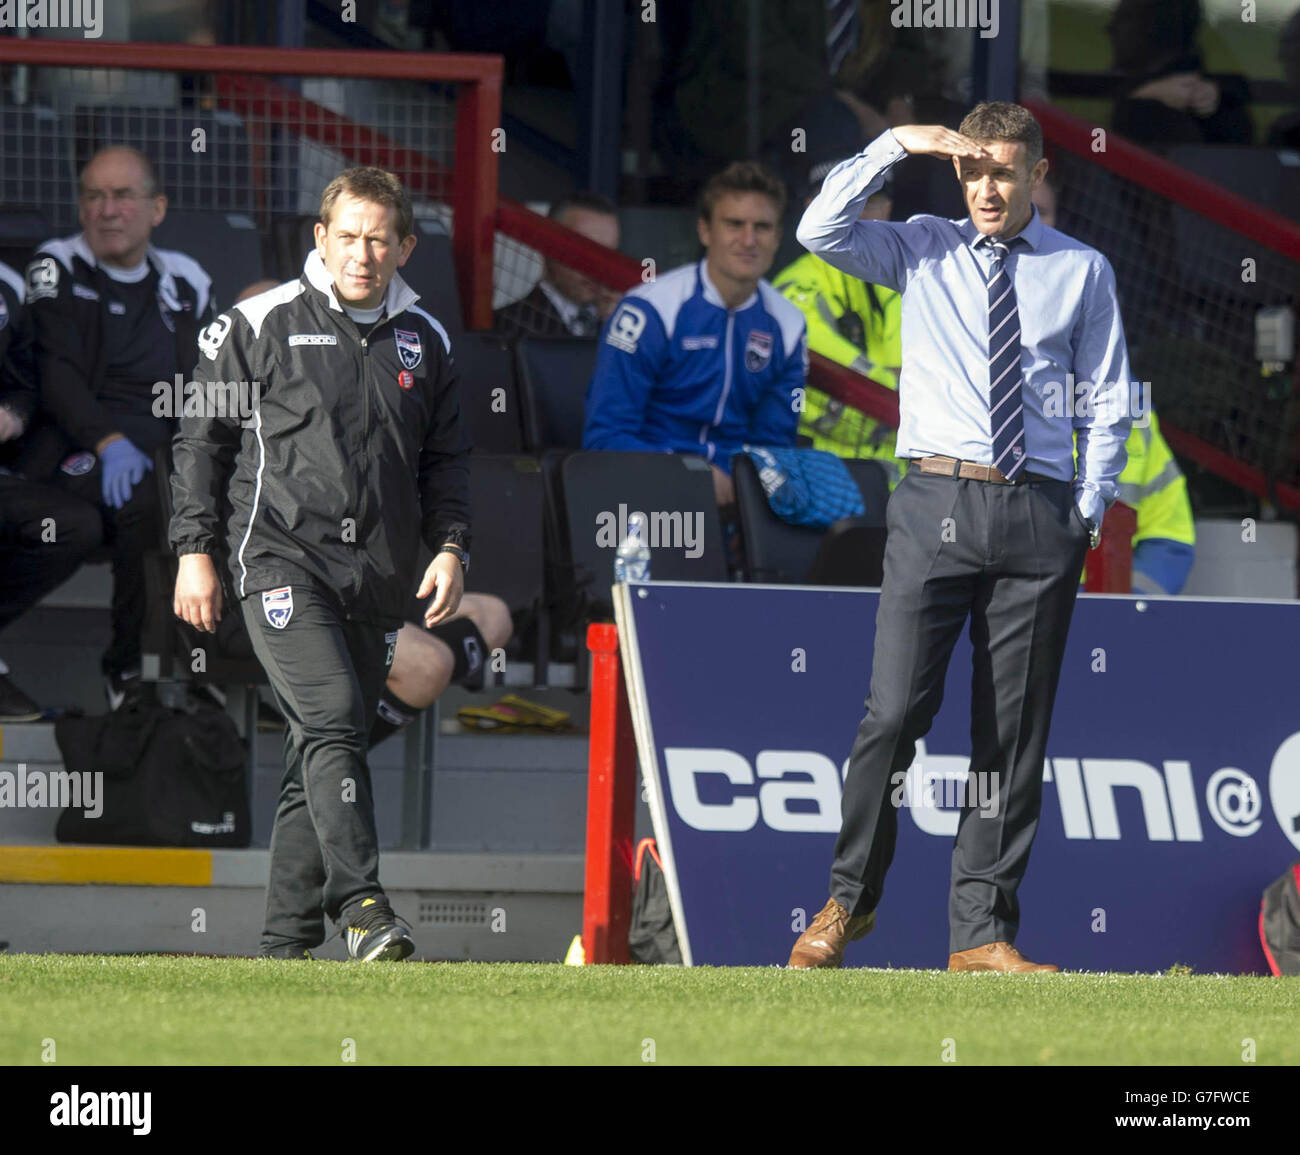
(468, 651)
(391, 715)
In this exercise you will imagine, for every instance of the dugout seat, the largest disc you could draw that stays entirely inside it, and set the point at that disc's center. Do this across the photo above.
(508, 553)
(292, 239)
(431, 271)
(227, 245)
(553, 378)
(848, 553)
(489, 401)
(600, 489)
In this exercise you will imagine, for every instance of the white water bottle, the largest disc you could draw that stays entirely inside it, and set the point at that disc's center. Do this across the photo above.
(632, 561)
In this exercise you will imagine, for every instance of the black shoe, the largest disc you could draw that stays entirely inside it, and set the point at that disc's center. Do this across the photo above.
(373, 933)
(15, 706)
(288, 951)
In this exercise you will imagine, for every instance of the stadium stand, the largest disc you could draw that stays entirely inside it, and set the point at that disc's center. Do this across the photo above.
(277, 145)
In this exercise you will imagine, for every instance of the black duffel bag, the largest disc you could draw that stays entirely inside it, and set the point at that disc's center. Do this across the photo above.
(172, 777)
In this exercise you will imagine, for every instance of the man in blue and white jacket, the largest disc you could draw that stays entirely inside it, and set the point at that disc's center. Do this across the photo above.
(708, 357)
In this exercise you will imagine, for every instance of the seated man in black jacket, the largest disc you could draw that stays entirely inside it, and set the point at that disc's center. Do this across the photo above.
(45, 534)
(113, 318)
(356, 451)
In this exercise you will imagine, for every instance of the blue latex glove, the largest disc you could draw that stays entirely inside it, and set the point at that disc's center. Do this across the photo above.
(122, 465)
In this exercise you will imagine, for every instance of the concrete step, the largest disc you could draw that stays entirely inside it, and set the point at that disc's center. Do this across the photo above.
(487, 907)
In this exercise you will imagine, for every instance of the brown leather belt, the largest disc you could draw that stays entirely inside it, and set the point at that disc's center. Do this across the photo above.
(954, 467)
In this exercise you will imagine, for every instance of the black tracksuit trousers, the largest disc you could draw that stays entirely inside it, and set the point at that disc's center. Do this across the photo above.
(327, 672)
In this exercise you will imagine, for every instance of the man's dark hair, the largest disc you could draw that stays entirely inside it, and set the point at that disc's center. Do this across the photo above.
(1001, 120)
(591, 201)
(742, 176)
(376, 185)
(152, 187)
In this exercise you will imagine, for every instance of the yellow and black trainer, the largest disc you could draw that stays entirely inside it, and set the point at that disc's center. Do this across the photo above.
(374, 933)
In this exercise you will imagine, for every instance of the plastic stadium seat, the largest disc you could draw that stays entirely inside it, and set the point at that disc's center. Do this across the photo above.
(292, 240)
(227, 245)
(489, 401)
(431, 272)
(553, 380)
(778, 552)
(508, 553)
(602, 488)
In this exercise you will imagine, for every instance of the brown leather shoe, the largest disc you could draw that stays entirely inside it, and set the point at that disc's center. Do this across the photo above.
(997, 956)
(831, 930)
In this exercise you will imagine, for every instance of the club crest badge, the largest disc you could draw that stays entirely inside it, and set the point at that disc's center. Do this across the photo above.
(758, 350)
(78, 464)
(278, 606)
(408, 347)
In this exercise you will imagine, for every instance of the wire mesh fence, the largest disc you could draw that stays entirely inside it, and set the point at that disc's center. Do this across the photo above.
(221, 143)
(1192, 292)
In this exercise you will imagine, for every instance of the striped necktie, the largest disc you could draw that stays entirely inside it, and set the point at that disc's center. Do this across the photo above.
(1006, 405)
(841, 31)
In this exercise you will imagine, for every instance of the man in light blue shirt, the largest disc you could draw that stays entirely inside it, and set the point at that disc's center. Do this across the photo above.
(1013, 348)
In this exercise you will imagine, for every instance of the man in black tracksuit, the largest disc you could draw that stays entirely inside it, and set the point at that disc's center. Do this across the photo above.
(354, 452)
(45, 534)
(112, 317)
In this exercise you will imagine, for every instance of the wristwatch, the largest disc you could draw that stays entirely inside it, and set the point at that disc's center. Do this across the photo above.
(461, 555)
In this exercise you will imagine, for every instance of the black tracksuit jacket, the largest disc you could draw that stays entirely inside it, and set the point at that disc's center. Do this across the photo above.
(355, 449)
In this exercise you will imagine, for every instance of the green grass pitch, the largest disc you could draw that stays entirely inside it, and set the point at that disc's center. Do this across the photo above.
(192, 1011)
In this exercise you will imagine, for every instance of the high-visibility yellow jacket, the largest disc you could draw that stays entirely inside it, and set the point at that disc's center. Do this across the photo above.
(1153, 485)
(856, 325)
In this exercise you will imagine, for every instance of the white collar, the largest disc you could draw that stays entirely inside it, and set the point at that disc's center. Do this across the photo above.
(399, 297)
(712, 295)
(567, 309)
(166, 286)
